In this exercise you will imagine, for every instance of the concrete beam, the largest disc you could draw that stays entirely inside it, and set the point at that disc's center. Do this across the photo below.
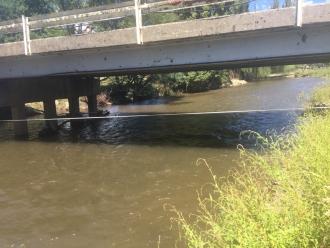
(305, 45)
(40, 89)
(226, 26)
(123, 37)
(250, 39)
(12, 49)
(316, 14)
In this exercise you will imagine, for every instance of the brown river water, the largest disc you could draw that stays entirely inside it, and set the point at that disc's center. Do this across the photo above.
(106, 184)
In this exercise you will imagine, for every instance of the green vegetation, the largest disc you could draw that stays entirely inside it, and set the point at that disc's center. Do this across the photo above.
(255, 73)
(132, 88)
(280, 198)
(11, 9)
(125, 89)
(320, 97)
(318, 70)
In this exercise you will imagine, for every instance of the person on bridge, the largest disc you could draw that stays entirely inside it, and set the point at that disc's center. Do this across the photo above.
(83, 28)
(174, 2)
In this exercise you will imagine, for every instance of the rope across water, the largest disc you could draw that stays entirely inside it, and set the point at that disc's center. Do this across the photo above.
(169, 114)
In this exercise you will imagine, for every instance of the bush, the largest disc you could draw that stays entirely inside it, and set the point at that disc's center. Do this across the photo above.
(255, 73)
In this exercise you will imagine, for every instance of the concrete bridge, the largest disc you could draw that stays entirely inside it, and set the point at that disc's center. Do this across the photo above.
(290, 35)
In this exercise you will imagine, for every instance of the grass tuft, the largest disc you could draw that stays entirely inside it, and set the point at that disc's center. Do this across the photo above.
(320, 96)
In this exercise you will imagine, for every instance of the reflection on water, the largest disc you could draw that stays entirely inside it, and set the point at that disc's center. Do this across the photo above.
(105, 184)
(189, 131)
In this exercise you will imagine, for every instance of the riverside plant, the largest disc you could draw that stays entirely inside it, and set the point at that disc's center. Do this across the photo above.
(278, 198)
(321, 96)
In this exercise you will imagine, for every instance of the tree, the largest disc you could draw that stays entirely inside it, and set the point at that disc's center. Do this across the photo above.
(276, 4)
(11, 9)
(288, 3)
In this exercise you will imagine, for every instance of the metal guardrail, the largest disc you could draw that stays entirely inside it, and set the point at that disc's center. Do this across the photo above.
(111, 12)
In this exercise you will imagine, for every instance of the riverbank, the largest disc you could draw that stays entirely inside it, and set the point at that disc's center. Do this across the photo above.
(321, 72)
(280, 198)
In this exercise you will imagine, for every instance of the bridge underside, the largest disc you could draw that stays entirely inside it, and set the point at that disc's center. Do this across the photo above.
(293, 46)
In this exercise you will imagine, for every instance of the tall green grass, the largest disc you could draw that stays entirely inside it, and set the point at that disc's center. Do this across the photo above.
(320, 96)
(280, 198)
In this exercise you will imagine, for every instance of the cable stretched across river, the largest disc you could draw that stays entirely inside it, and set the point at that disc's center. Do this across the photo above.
(168, 114)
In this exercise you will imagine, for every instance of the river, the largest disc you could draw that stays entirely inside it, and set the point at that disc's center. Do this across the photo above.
(106, 184)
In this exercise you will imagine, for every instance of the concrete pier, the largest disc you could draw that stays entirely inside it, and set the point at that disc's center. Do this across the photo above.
(74, 106)
(74, 110)
(92, 105)
(20, 127)
(50, 113)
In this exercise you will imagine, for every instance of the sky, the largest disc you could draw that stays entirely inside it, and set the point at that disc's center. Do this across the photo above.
(266, 4)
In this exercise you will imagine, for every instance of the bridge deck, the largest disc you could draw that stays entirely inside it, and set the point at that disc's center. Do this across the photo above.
(249, 39)
(247, 23)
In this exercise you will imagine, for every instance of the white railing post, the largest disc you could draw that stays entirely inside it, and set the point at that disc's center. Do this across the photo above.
(26, 35)
(299, 10)
(138, 21)
(28, 38)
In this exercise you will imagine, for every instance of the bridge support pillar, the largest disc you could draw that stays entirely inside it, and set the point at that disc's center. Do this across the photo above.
(74, 109)
(20, 127)
(50, 112)
(92, 105)
(74, 106)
